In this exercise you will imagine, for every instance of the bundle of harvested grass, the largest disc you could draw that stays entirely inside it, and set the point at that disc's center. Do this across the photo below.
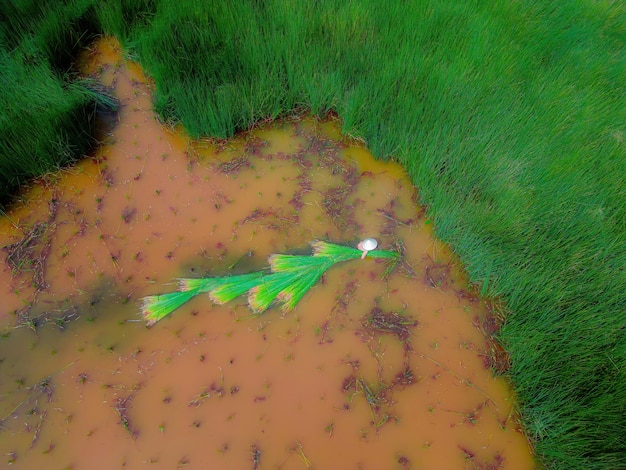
(290, 277)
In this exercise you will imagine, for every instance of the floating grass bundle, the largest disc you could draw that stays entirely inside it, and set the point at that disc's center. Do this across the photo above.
(262, 296)
(307, 278)
(290, 277)
(158, 306)
(293, 277)
(220, 289)
(237, 285)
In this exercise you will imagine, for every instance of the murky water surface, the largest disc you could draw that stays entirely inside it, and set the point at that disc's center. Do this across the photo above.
(85, 385)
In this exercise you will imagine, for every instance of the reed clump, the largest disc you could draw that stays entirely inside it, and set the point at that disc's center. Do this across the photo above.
(508, 116)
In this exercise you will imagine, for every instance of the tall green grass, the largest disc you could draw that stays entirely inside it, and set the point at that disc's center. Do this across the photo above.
(46, 115)
(508, 116)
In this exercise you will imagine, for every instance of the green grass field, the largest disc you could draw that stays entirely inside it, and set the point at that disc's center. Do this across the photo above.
(510, 118)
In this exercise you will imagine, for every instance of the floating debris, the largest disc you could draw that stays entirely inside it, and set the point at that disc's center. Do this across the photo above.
(121, 408)
(388, 322)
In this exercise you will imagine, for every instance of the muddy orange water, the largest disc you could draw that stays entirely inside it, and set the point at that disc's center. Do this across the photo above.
(367, 372)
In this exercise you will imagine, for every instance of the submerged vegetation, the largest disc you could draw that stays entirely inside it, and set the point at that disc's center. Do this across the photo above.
(509, 118)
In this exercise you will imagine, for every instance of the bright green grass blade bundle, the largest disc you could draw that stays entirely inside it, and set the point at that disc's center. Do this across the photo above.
(204, 284)
(336, 252)
(262, 296)
(292, 294)
(235, 286)
(290, 279)
(294, 264)
(343, 253)
(155, 307)
(293, 276)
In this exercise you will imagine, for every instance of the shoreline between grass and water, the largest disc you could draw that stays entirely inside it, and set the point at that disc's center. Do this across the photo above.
(510, 120)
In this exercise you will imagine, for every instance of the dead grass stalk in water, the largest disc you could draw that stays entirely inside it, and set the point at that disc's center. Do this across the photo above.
(121, 407)
(388, 322)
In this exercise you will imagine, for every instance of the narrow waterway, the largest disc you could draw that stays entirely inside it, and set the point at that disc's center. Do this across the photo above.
(367, 372)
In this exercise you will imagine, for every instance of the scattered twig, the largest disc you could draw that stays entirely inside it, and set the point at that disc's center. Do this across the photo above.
(300, 451)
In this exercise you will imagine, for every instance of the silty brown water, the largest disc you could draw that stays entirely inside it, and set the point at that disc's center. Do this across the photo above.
(367, 372)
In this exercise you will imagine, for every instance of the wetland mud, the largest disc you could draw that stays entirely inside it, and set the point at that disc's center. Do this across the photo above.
(371, 370)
